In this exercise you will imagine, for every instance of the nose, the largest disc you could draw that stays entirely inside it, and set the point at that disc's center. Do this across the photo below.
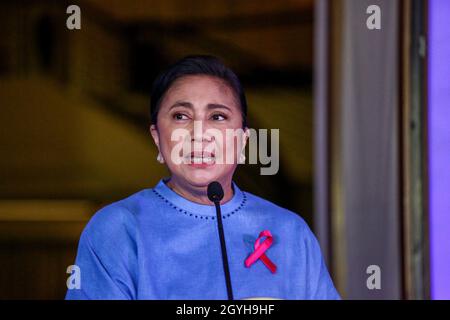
(199, 132)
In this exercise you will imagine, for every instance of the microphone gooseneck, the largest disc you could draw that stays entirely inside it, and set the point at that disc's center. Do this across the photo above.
(215, 194)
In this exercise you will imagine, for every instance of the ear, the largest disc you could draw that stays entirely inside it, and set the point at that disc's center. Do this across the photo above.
(155, 135)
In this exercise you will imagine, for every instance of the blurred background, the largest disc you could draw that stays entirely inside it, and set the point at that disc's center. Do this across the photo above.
(350, 103)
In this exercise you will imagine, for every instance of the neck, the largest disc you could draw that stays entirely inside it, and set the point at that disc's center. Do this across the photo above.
(199, 194)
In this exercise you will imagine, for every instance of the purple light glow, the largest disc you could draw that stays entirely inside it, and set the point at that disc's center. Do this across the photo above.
(439, 146)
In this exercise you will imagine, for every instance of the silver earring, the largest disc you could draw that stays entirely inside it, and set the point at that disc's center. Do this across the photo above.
(160, 158)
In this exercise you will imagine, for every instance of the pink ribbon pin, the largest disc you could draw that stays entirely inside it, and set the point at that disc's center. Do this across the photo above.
(260, 249)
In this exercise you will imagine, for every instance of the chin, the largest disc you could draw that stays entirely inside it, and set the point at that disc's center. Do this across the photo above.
(201, 178)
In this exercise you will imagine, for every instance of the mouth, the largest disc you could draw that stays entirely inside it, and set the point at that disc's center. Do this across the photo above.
(200, 158)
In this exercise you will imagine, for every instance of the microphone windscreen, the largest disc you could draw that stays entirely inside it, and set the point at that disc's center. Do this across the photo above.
(215, 191)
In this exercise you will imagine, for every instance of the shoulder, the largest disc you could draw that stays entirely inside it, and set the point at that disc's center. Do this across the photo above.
(282, 215)
(289, 223)
(113, 222)
(108, 252)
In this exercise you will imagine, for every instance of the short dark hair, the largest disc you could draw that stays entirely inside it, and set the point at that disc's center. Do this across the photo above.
(196, 65)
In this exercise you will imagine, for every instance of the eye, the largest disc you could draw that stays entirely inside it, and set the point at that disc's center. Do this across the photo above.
(218, 117)
(180, 116)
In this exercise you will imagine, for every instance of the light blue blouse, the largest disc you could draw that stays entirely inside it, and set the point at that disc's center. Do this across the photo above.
(156, 244)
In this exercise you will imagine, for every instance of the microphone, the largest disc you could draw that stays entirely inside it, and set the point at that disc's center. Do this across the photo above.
(215, 194)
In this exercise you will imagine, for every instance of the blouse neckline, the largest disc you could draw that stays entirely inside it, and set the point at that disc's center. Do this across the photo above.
(198, 210)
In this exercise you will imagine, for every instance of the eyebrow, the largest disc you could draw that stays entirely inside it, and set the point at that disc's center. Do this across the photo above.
(189, 105)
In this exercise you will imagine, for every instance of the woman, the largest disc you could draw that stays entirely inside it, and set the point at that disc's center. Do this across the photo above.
(163, 242)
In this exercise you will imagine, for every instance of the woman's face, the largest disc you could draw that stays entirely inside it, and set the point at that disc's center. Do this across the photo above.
(206, 153)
